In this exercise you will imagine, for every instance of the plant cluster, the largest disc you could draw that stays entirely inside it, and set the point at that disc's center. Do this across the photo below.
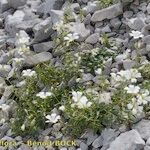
(84, 97)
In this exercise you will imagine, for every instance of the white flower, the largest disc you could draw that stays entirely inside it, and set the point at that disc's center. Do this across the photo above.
(53, 118)
(136, 34)
(4, 107)
(22, 38)
(62, 108)
(143, 97)
(137, 110)
(23, 127)
(28, 73)
(59, 26)
(23, 50)
(80, 100)
(105, 97)
(98, 71)
(18, 60)
(76, 96)
(125, 75)
(94, 51)
(83, 103)
(71, 37)
(2, 121)
(44, 95)
(134, 107)
(131, 89)
(130, 106)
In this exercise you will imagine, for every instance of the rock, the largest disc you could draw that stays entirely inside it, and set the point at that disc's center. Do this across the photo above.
(148, 141)
(7, 138)
(85, 46)
(145, 30)
(146, 39)
(80, 29)
(48, 5)
(7, 93)
(3, 129)
(92, 39)
(75, 7)
(57, 127)
(147, 148)
(91, 136)
(136, 23)
(87, 19)
(106, 29)
(24, 147)
(128, 14)
(63, 148)
(42, 31)
(43, 47)
(22, 35)
(116, 23)
(86, 77)
(4, 6)
(13, 20)
(128, 64)
(83, 146)
(148, 8)
(98, 142)
(56, 15)
(107, 13)
(107, 66)
(126, 2)
(17, 3)
(108, 135)
(46, 132)
(91, 7)
(27, 25)
(143, 127)
(130, 140)
(4, 70)
(4, 58)
(38, 58)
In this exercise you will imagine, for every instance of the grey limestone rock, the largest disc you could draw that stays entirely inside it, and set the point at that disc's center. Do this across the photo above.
(37, 58)
(43, 47)
(48, 5)
(107, 13)
(13, 20)
(16, 3)
(143, 127)
(4, 6)
(92, 39)
(80, 29)
(98, 142)
(130, 140)
(42, 31)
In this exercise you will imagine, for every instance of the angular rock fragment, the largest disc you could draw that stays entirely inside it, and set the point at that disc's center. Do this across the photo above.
(130, 140)
(4, 6)
(48, 5)
(107, 13)
(56, 15)
(143, 127)
(27, 25)
(80, 29)
(13, 20)
(16, 3)
(37, 58)
(92, 39)
(43, 30)
(43, 47)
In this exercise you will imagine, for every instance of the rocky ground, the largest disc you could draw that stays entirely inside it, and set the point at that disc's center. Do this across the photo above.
(33, 21)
